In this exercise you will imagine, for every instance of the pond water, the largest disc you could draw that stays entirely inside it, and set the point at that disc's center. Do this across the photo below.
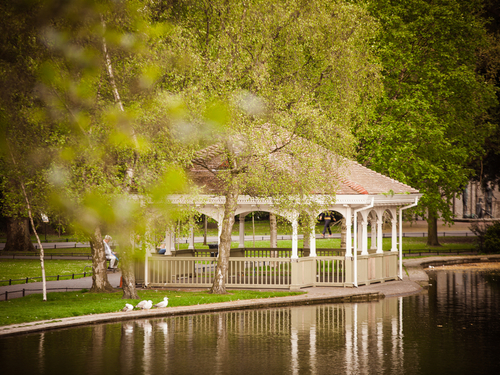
(454, 328)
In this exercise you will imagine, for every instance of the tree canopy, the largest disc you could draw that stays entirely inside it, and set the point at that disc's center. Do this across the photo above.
(270, 79)
(106, 101)
(429, 125)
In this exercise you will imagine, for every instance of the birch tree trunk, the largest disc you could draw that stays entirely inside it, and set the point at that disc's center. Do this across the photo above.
(30, 214)
(42, 255)
(219, 284)
(128, 274)
(100, 283)
(127, 265)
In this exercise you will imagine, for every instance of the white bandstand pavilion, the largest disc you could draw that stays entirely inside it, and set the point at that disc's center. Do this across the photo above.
(363, 197)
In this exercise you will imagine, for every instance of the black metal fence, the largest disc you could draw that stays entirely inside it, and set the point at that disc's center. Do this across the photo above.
(421, 252)
(63, 246)
(46, 255)
(26, 280)
(24, 291)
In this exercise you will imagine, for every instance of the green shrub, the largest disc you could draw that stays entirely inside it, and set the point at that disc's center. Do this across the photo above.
(488, 236)
(492, 238)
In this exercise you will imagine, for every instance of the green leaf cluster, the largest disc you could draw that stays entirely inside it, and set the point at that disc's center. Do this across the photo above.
(429, 124)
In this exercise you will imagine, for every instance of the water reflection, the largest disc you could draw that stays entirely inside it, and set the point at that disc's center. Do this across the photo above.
(453, 329)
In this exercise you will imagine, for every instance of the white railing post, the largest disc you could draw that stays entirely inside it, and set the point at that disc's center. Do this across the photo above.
(312, 241)
(295, 240)
(394, 239)
(348, 235)
(380, 236)
(401, 236)
(355, 213)
(191, 238)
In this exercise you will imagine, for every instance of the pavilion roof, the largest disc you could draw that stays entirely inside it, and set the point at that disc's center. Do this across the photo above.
(353, 178)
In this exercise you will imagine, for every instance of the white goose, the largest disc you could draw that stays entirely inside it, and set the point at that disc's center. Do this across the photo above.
(128, 307)
(163, 303)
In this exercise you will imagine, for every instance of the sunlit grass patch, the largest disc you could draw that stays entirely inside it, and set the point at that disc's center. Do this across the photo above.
(66, 304)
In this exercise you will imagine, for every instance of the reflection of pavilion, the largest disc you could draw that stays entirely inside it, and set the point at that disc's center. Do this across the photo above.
(339, 338)
(363, 198)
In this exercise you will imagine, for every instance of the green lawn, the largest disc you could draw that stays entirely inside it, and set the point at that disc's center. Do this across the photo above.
(261, 228)
(66, 304)
(413, 243)
(22, 268)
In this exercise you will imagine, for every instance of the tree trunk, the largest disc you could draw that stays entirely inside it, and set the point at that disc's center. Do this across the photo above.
(128, 274)
(273, 230)
(219, 285)
(432, 236)
(100, 283)
(307, 240)
(18, 235)
(205, 230)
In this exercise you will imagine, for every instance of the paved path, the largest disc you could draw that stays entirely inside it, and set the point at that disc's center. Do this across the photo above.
(415, 280)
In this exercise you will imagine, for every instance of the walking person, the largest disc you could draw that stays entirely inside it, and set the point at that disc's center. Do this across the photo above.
(328, 217)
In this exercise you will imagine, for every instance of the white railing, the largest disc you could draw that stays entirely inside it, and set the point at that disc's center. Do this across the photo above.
(269, 272)
(331, 271)
(200, 271)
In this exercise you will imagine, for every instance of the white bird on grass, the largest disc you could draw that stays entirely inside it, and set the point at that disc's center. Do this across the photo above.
(163, 303)
(128, 307)
(144, 305)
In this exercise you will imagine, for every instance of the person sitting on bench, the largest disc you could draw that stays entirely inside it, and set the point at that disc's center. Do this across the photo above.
(110, 255)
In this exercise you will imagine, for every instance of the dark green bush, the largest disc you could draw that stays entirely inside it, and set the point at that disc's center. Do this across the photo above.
(492, 238)
(488, 236)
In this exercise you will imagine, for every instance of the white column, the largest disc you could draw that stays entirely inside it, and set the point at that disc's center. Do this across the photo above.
(359, 238)
(312, 242)
(172, 241)
(373, 245)
(242, 231)
(348, 234)
(169, 245)
(394, 235)
(379, 236)
(295, 240)
(364, 238)
(191, 238)
(356, 244)
(149, 248)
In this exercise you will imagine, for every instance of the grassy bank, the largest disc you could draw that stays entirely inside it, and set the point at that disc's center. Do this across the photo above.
(23, 268)
(67, 304)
